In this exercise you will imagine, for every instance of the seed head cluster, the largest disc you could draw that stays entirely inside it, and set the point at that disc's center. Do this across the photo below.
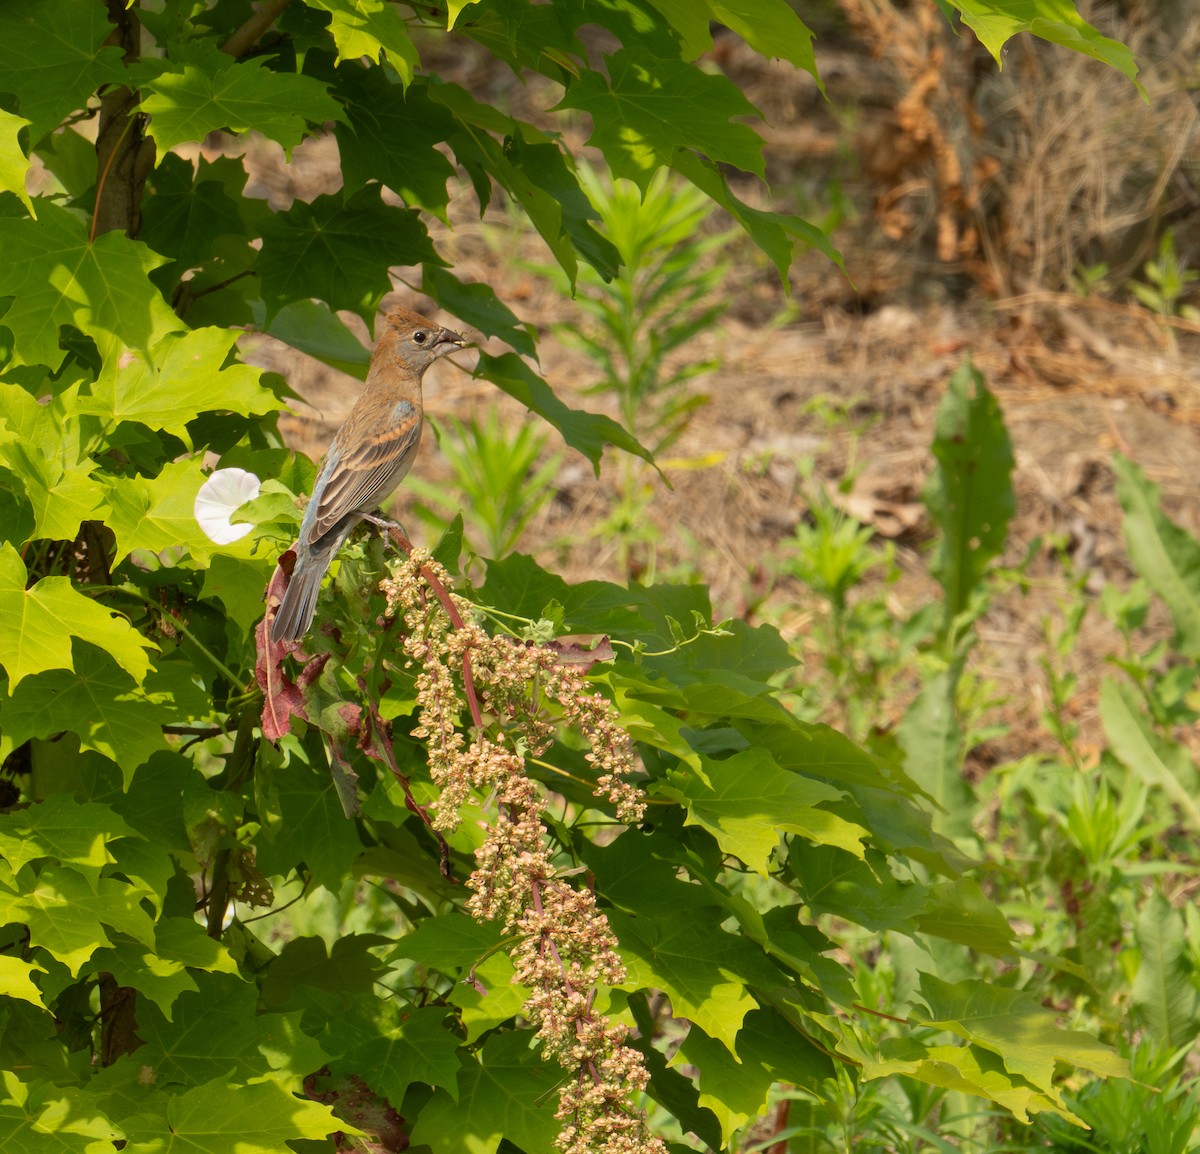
(565, 947)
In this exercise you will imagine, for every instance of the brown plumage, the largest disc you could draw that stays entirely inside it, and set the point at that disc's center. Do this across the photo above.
(367, 459)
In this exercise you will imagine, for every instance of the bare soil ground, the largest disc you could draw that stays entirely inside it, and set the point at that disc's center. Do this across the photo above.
(1078, 379)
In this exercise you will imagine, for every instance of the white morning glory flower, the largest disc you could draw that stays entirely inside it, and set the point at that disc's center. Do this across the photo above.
(219, 497)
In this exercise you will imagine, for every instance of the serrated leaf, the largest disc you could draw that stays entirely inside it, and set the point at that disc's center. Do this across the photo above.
(396, 1052)
(14, 164)
(218, 1117)
(966, 1069)
(451, 943)
(769, 1050)
(67, 915)
(161, 980)
(586, 432)
(158, 513)
(54, 58)
(218, 1031)
(72, 833)
(839, 884)
(340, 251)
(16, 980)
(312, 828)
(1166, 555)
(770, 27)
(188, 98)
(390, 135)
(507, 1092)
(777, 234)
(61, 497)
(960, 912)
(703, 969)
(58, 277)
(40, 622)
(536, 175)
(647, 107)
(1013, 1025)
(746, 801)
(97, 702)
(182, 376)
(538, 36)
(369, 28)
(1058, 21)
(970, 495)
(479, 307)
(490, 999)
(187, 209)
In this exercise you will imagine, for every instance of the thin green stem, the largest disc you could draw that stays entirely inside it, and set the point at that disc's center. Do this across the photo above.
(150, 603)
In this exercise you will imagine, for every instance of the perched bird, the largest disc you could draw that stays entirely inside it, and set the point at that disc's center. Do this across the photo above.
(368, 458)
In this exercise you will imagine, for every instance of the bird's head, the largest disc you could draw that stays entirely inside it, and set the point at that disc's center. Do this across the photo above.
(415, 342)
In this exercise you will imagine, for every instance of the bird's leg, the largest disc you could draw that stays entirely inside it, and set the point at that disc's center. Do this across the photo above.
(391, 529)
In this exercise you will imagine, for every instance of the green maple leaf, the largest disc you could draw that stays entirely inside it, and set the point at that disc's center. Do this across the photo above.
(61, 498)
(161, 980)
(68, 915)
(538, 36)
(389, 133)
(53, 58)
(180, 377)
(417, 1047)
(770, 27)
(193, 95)
(309, 826)
(58, 277)
(369, 28)
(508, 1092)
(1013, 1025)
(16, 980)
(14, 164)
(646, 108)
(73, 833)
(703, 969)
(187, 211)
(1058, 21)
(339, 251)
(769, 1050)
(158, 513)
(966, 1069)
(217, 1031)
(40, 622)
(589, 433)
(491, 999)
(746, 801)
(97, 701)
(185, 941)
(219, 1117)
(777, 234)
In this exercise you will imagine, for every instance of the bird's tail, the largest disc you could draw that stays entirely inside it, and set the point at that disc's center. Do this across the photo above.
(299, 602)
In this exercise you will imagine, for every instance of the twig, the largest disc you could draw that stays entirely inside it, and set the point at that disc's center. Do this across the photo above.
(379, 730)
(247, 35)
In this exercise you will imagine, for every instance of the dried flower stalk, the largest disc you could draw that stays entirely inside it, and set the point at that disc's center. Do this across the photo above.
(565, 947)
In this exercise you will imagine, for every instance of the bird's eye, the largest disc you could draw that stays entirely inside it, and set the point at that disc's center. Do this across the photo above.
(420, 336)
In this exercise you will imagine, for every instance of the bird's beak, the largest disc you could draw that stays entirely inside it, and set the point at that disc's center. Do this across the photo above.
(451, 338)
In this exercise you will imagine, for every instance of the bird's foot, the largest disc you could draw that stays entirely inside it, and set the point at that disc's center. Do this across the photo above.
(387, 527)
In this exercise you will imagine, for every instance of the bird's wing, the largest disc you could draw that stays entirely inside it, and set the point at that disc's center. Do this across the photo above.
(366, 469)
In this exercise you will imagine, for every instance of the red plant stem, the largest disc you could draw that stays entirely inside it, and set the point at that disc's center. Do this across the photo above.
(402, 542)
